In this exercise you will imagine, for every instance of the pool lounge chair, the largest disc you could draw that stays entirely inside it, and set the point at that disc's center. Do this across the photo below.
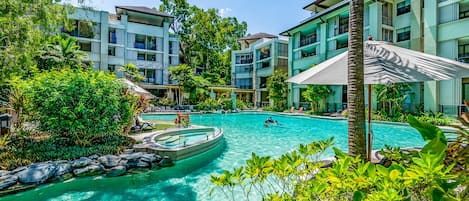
(141, 125)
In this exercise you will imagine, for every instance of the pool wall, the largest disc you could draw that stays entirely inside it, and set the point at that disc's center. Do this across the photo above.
(182, 152)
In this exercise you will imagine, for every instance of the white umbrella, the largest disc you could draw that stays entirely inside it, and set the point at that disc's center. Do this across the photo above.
(137, 89)
(384, 63)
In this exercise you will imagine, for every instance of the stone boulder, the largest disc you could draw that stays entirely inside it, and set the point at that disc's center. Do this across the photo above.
(7, 181)
(166, 162)
(132, 157)
(138, 164)
(109, 161)
(18, 170)
(149, 158)
(93, 157)
(63, 167)
(116, 171)
(4, 172)
(91, 170)
(81, 162)
(37, 173)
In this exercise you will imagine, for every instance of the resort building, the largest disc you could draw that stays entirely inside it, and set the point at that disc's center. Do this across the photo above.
(260, 56)
(136, 35)
(437, 27)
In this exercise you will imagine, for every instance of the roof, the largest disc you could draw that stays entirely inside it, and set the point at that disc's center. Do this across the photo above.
(145, 10)
(312, 3)
(318, 15)
(258, 36)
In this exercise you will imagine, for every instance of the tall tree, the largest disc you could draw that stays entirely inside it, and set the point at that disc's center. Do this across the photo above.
(355, 88)
(206, 38)
(60, 52)
(23, 24)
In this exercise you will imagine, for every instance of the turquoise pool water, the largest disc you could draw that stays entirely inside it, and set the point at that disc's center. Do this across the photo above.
(189, 179)
(183, 139)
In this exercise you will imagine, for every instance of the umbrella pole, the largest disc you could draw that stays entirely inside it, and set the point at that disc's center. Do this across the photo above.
(369, 124)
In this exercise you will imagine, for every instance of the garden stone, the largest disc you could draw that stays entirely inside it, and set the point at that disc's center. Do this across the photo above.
(166, 162)
(4, 172)
(109, 161)
(93, 157)
(90, 170)
(123, 162)
(7, 181)
(63, 168)
(158, 158)
(128, 151)
(149, 158)
(116, 171)
(37, 173)
(138, 164)
(18, 170)
(82, 162)
(132, 157)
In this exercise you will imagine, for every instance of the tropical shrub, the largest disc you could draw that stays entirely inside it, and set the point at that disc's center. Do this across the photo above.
(131, 72)
(79, 107)
(61, 51)
(208, 105)
(438, 119)
(166, 102)
(278, 90)
(300, 175)
(317, 94)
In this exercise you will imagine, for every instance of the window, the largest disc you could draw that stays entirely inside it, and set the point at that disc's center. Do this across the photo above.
(308, 39)
(151, 43)
(343, 25)
(283, 62)
(141, 56)
(283, 50)
(139, 41)
(173, 47)
(245, 83)
(112, 36)
(244, 59)
(403, 34)
(263, 83)
(463, 10)
(403, 7)
(341, 44)
(388, 35)
(463, 53)
(264, 53)
(85, 29)
(111, 68)
(111, 51)
(151, 57)
(387, 13)
(84, 46)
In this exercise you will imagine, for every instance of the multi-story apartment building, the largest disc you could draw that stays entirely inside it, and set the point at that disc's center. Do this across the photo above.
(137, 35)
(260, 56)
(437, 27)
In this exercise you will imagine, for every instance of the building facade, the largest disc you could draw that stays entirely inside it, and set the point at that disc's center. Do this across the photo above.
(260, 56)
(136, 35)
(437, 27)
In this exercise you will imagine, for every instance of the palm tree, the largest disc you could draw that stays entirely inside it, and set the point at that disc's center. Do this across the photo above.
(356, 95)
(60, 52)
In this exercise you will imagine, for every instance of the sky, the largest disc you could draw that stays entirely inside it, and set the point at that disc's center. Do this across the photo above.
(269, 16)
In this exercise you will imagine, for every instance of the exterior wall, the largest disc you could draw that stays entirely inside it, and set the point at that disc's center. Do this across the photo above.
(166, 53)
(258, 72)
(434, 29)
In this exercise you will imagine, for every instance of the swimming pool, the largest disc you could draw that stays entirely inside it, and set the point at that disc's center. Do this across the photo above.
(189, 179)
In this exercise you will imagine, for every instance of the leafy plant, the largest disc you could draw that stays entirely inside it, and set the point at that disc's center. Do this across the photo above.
(317, 94)
(131, 72)
(79, 106)
(278, 90)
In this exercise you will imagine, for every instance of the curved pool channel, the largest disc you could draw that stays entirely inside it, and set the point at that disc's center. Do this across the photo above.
(189, 179)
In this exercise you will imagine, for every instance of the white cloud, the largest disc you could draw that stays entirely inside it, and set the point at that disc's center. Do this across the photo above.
(224, 11)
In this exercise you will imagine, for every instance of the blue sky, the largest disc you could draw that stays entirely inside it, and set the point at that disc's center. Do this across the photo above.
(270, 16)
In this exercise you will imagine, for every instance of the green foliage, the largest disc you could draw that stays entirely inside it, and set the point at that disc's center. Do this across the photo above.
(206, 38)
(79, 106)
(29, 148)
(278, 90)
(317, 94)
(131, 72)
(60, 52)
(438, 119)
(240, 104)
(23, 24)
(208, 104)
(300, 175)
(166, 102)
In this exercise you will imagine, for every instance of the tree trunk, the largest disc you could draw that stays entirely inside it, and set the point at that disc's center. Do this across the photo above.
(356, 95)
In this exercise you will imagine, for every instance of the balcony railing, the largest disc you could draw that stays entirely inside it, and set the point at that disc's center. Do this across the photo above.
(244, 61)
(244, 69)
(464, 14)
(264, 56)
(308, 40)
(453, 109)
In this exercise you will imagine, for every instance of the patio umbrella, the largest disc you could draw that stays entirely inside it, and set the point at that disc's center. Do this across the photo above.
(384, 64)
(137, 89)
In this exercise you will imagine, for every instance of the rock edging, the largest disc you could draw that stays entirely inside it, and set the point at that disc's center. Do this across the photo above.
(24, 178)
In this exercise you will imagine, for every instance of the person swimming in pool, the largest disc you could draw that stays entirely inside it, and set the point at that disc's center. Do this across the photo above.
(266, 123)
(270, 120)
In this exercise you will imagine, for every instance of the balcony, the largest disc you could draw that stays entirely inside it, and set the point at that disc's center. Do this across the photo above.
(264, 56)
(308, 40)
(464, 58)
(341, 29)
(244, 61)
(244, 69)
(464, 14)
